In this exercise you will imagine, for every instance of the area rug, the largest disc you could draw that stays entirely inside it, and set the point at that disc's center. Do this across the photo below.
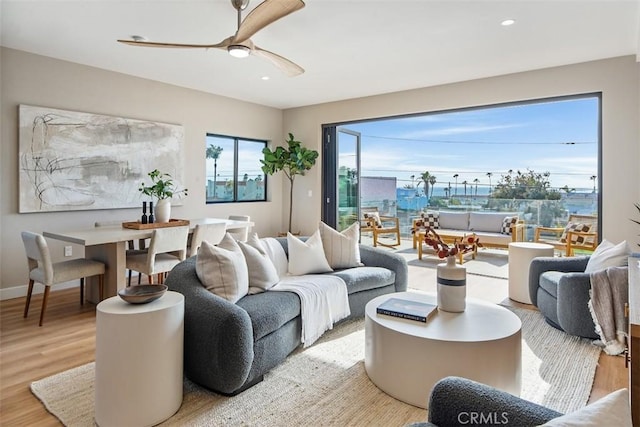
(326, 384)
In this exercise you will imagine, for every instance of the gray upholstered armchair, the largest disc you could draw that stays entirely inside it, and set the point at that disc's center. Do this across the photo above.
(459, 401)
(559, 287)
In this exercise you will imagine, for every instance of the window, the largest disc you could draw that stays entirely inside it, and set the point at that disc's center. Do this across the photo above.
(538, 157)
(234, 171)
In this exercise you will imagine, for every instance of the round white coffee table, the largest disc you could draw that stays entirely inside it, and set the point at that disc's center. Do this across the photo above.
(138, 361)
(520, 256)
(405, 358)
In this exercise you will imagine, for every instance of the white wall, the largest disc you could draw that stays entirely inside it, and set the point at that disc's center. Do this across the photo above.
(37, 80)
(618, 80)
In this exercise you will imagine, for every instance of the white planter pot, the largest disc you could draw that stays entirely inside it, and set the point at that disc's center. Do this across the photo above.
(163, 210)
(452, 286)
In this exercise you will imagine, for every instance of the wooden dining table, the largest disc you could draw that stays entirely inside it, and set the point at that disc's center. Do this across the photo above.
(109, 245)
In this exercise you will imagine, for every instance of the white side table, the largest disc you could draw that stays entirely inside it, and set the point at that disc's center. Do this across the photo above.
(520, 256)
(139, 361)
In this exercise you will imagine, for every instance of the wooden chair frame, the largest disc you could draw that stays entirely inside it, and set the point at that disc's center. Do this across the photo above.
(590, 238)
(390, 225)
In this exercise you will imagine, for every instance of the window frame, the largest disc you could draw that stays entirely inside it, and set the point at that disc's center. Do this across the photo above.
(236, 141)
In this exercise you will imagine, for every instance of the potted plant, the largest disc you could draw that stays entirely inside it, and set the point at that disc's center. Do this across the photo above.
(293, 160)
(162, 188)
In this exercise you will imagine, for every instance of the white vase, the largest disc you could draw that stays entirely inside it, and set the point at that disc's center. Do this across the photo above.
(452, 286)
(163, 210)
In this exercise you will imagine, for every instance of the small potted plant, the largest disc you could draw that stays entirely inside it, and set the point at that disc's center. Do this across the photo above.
(162, 188)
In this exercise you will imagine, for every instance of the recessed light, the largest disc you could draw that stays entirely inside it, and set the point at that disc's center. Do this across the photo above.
(265, 77)
(508, 22)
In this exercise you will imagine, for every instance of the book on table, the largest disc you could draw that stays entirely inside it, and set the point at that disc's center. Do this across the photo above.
(407, 309)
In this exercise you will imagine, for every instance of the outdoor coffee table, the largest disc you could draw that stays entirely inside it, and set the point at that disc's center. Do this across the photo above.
(419, 241)
(405, 358)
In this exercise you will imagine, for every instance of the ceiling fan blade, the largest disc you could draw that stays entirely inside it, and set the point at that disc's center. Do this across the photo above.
(289, 68)
(264, 14)
(223, 44)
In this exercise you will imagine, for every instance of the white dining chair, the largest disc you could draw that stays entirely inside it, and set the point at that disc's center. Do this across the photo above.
(212, 233)
(131, 246)
(168, 246)
(43, 270)
(240, 234)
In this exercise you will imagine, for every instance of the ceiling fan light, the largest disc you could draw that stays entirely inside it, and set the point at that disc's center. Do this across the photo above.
(238, 51)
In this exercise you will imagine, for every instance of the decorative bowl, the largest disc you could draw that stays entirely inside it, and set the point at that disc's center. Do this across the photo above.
(142, 294)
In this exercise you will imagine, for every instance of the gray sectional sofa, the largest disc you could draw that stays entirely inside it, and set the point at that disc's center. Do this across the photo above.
(229, 347)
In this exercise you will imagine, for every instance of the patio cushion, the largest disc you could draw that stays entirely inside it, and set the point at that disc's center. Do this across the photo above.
(430, 219)
(454, 220)
(488, 221)
(575, 226)
(507, 223)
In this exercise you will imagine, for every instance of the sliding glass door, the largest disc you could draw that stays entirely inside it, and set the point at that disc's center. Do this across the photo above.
(348, 192)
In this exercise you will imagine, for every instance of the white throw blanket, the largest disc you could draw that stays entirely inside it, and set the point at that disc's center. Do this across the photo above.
(609, 293)
(323, 299)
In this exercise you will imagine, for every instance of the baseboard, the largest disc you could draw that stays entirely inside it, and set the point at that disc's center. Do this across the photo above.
(21, 291)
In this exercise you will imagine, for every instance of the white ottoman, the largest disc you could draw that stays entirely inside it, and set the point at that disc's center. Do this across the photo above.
(138, 361)
(520, 256)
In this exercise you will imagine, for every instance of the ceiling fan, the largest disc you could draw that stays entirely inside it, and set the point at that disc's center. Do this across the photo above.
(240, 45)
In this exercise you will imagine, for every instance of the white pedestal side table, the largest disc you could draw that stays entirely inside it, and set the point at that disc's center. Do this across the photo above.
(138, 361)
(520, 256)
(405, 358)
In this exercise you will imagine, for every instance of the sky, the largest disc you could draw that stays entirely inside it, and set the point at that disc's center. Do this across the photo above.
(556, 136)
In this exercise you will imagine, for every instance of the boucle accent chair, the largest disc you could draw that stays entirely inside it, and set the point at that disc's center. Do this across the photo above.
(455, 400)
(229, 347)
(559, 287)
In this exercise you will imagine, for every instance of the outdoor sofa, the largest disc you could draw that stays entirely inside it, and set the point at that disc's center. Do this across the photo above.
(493, 229)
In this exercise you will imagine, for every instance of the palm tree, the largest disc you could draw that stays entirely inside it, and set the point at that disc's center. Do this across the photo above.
(432, 181)
(489, 174)
(456, 189)
(593, 178)
(213, 152)
(476, 181)
(465, 187)
(425, 178)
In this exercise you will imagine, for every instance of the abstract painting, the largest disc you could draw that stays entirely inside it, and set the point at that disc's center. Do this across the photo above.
(80, 161)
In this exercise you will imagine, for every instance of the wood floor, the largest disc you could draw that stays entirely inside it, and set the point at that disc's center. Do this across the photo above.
(67, 340)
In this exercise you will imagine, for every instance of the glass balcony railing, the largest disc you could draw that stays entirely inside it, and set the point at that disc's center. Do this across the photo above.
(547, 213)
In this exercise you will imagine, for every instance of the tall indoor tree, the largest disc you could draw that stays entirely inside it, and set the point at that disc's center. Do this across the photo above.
(293, 160)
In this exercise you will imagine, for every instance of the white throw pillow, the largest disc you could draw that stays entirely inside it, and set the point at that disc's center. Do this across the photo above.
(276, 254)
(341, 248)
(307, 257)
(262, 273)
(611, 410)
(608, 255)
(222, 269)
